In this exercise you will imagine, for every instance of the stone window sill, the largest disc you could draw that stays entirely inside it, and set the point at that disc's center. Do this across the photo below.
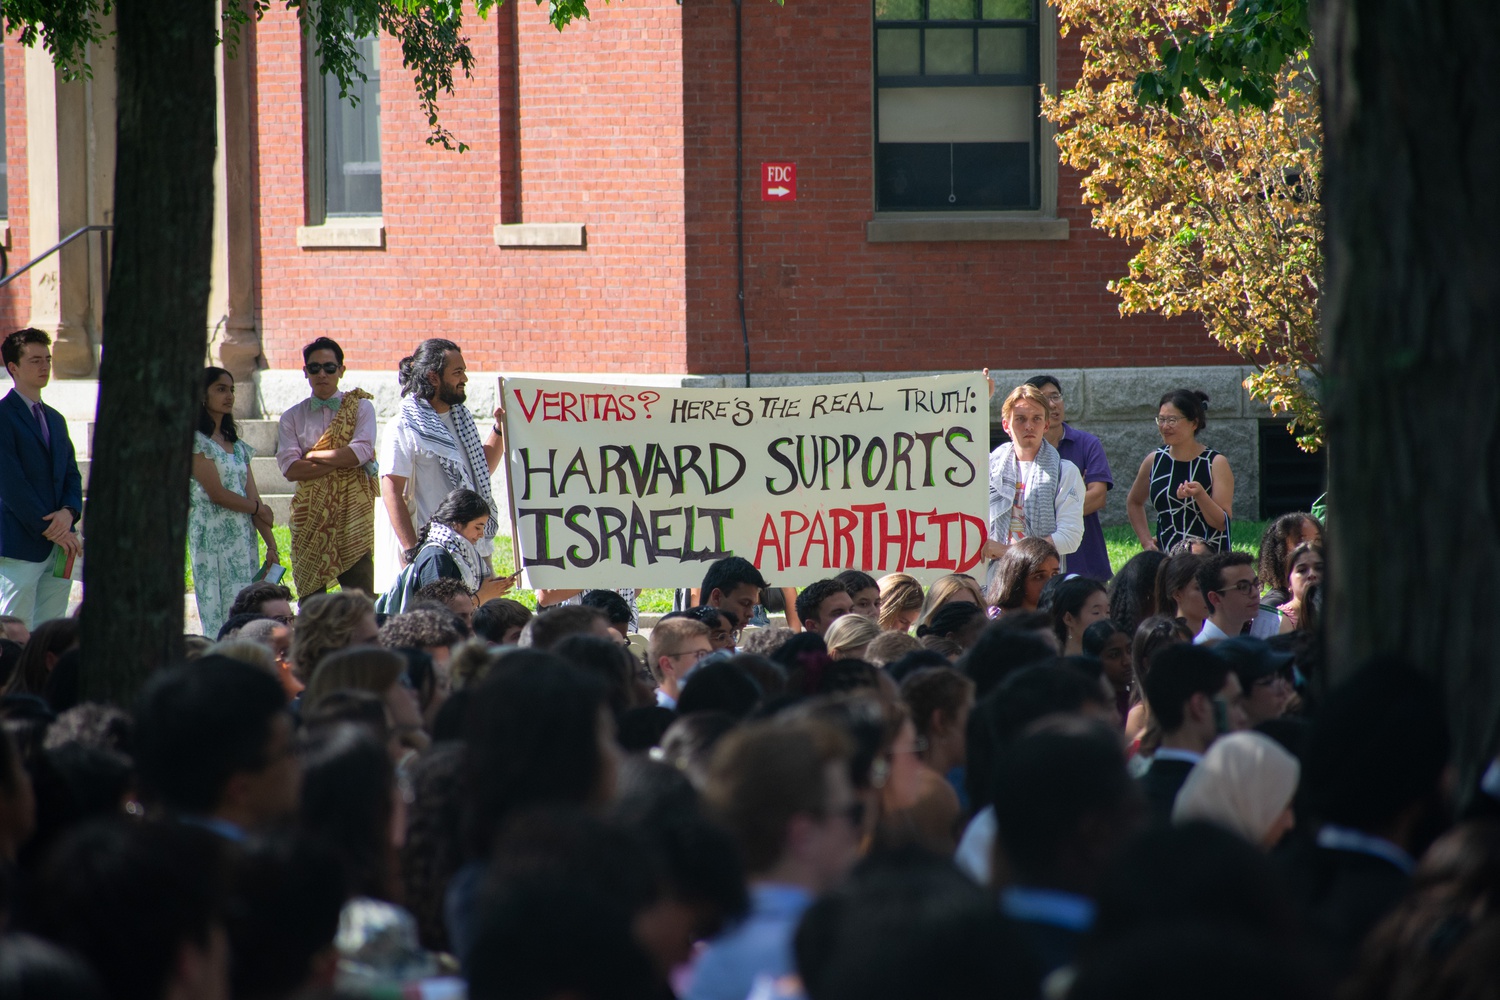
(901, 227)
(541, 234)
(354, 234)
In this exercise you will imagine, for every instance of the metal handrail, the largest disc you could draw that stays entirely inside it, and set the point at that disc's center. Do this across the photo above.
(83, 231)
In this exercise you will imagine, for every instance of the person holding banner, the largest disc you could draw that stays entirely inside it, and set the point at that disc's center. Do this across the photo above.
(1034, 491)
(432, 449)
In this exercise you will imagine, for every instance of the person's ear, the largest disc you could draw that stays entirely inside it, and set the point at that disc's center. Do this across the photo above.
(939, 724)
(799, 834)
(1199, 707)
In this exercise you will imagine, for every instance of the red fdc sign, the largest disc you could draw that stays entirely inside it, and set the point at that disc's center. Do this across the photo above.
(778, 182)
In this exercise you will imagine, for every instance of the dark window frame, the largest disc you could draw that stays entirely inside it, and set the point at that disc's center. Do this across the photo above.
(1031, 79)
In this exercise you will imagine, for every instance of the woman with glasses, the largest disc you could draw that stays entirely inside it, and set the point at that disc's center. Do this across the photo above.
(1189, 484)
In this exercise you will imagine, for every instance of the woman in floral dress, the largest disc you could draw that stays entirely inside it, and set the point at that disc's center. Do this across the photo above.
(225, 510)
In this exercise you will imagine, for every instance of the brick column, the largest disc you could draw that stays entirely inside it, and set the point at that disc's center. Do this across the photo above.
(234, 339)
(57, 167)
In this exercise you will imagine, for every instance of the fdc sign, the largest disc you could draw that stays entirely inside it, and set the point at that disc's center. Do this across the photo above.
(778, 182)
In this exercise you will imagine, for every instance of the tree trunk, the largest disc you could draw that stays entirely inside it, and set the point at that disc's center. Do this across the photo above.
(154, 344)
(1411, 313)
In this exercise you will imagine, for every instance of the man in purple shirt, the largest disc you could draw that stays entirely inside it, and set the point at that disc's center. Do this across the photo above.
(1085, 451)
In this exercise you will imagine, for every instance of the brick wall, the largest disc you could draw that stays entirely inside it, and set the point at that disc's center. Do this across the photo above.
(15, 298)
(822, 298)
(600, 142)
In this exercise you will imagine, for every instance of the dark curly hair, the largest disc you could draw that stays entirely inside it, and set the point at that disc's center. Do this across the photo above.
(1275, 555)
(428, 359)
(1132, 593)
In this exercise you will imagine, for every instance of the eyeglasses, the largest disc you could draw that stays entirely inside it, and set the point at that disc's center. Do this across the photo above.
(284, 619)
(326, 367)
(1245, 587)
(696, 654)
(723, 636)
(1168, 421)
(1052, 397)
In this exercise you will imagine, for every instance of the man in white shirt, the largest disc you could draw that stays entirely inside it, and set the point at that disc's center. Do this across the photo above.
(1034, 491)
(1232, 591)
(329, 453)
(431, 449)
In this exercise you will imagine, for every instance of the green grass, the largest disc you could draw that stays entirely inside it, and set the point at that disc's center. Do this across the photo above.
(1119, 540)
(1121, 543)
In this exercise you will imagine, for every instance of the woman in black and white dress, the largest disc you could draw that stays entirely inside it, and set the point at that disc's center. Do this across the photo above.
(1189, 484)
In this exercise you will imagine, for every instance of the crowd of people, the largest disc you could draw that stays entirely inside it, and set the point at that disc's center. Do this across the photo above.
(1053, 782)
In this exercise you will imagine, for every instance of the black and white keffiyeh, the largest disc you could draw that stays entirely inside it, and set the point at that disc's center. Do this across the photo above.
(463, 460)
(470, 562)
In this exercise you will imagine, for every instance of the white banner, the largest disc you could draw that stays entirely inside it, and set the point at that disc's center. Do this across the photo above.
(622, 486)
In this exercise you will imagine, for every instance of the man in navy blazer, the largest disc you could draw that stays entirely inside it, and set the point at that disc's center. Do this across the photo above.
(41, 492)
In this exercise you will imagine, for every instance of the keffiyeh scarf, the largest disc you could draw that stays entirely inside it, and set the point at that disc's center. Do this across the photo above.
(463, 460)
(470, 562)
(1040, 499)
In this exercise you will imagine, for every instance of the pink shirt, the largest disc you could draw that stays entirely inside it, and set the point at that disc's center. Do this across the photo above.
(302, 426)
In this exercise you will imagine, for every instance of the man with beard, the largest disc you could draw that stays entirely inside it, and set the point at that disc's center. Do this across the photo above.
(431, 449)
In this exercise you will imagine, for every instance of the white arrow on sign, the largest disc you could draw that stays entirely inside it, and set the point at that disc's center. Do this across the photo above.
(779, 192)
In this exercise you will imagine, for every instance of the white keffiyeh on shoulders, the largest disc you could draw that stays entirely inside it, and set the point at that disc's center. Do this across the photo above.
(470, 562)
(462, 460)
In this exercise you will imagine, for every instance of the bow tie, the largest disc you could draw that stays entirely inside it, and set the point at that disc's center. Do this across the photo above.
(331, 403)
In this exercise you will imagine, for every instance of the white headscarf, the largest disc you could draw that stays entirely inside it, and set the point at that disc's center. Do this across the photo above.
(1243, 783)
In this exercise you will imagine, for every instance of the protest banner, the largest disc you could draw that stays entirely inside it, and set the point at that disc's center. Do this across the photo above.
(624, 486)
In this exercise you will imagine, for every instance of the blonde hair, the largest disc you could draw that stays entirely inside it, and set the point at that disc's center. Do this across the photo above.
(850, 631)
(362, 668)
(1028, 393)
(898, 593)
(888, 647)
(325, 624)
(470, 663)
(249, 651)
(670, 633)
(953, 587)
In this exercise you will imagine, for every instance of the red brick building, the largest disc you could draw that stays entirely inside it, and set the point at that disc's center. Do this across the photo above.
(626, 127)
(591, 227)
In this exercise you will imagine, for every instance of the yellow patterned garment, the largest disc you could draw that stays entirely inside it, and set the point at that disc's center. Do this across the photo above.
(333, 517)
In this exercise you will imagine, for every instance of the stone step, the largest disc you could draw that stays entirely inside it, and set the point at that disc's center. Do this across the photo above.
(258, 434)
(268, 478)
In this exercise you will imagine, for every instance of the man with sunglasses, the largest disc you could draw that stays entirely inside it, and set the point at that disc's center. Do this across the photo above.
(1232, 590)
(326, 446)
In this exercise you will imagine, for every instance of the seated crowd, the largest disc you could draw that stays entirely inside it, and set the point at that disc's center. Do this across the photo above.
(1047, 787)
